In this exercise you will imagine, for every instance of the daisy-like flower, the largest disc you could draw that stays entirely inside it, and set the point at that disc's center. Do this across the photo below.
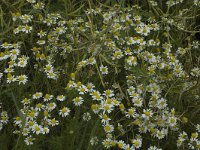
(53, 122)
(48, 97)
(45, 130)
(137, 142)
(22, 79)
(86, 116)
(96, 95)
(51, 106)
(25, 131)
(18, 121)
(14, 53)
(95, 108)
(160, 134)
(94, 140)
(195, 72)
(147, 113)
(64, 112)
(104, 69)
(131, 113)
(6, 45)
(37, 95)
(78, 101)
(33, 113)
(108, 128)
(27, 29)
(107, 107)
(108, 93)
(161, 103)
(29, 140)
(120, 144)
(52, 75)
(26, 18)
(61, 97)
(37, 129)
(48, 68)
(137, 101)
(10, 78)
(39, 5)
(107, 143)
(22, 62)
(132, 61)
(41, 42)
(82, 89)
(4, 117)
(90, 87)
(104, 118)
(91, 61)
(172, 121)
(9, 70)
(39, 106)
(41, 33)
(26, 101)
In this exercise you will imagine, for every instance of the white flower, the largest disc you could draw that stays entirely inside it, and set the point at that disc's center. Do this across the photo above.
(37, 95)
(6, 45)
(82, 89)
(53, 122)
(78, 101)
(86, 116)
(132, 61)
(61, 97)
(137, 142)
(10, 78)
(51, 106)
(27, 29)
(52, 75)
(29, 140)
(160, 134)
(31, 1)
(14, 53)
(96, 95)
(45, 130)
(22, 79)
(94, 140)
(147, 113)
(64, 112)
(195, 72)
(108, 128)
(107, 107)
(26, 101)
(25, 132)
(41, 42)
(131, 112)
(37, 129)
(48, 97)
(22, 61)
(107, 143)
(104, 69)
(108, 93)
(154, 148)
(172, 121)
(137, 101)
(26, 18)
(41, 33)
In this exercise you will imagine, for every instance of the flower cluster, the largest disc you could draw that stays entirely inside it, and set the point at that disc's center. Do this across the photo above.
(38, 115)
(114, 63)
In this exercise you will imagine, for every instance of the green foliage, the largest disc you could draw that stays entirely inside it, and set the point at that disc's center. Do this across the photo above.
(99, 74)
